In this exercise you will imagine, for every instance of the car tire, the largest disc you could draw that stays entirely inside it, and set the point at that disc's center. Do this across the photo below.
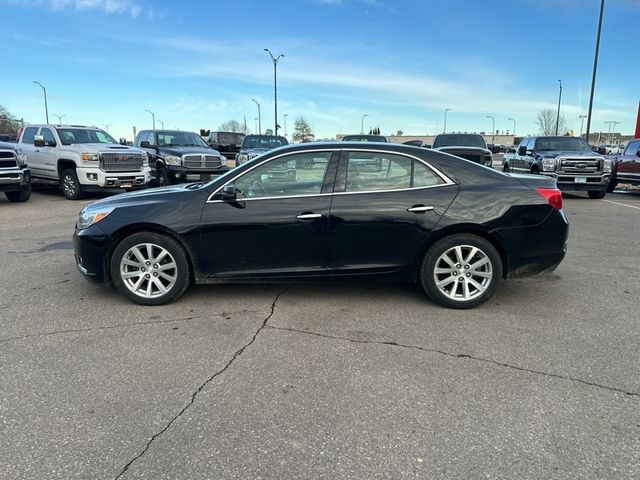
(505, 167)
(596, 194)
(612, 186)
(137, 276)
(163, 178)
(19, 196)
(463, 255)
(70, 184)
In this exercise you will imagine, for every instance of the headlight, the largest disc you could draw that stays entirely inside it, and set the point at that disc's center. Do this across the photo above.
(608, 165)
(21, 158)
(86, 219)
(172, 160)
(90, 157)
(223, 160)
(548, 164)
(243, 157)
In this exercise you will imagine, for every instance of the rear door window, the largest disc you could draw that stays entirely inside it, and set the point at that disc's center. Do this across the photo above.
(29, 134)
(632, 148)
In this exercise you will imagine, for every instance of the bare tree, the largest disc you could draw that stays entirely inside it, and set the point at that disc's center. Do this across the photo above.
(547, 122)
(234, 126)
(8, 125)
(302, 131)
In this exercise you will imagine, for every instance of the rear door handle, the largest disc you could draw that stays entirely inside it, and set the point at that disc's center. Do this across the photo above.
(308, 216)
(419, 209)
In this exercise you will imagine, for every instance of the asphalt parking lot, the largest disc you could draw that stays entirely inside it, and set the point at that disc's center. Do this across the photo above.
(320, 381)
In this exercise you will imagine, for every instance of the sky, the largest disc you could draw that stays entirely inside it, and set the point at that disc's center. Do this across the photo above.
(196, 64)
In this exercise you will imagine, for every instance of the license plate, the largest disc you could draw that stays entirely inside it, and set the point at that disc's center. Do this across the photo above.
(580, 180)
(126, 185)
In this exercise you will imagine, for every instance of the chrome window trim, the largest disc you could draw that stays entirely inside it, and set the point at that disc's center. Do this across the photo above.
(447, 181)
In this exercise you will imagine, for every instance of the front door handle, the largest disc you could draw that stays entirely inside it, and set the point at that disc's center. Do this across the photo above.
(419, 209)
(308, 216)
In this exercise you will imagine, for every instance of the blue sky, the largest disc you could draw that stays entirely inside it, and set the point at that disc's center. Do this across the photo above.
(197, 64)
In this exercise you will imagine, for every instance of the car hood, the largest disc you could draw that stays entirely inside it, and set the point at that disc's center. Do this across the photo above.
(149, 195)
(101, 147)
(462, 149)
(179, 151)
(9, 146)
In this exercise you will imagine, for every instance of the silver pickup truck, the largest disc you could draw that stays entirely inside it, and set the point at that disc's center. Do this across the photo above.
(81, 159)
(15, 177)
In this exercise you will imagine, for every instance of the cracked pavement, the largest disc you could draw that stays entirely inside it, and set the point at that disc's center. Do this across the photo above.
(320, 381)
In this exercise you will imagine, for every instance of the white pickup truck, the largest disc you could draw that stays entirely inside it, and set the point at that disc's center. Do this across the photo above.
(81, 159)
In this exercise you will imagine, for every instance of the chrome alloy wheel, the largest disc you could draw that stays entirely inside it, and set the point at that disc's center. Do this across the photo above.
(463, 272)
(69, 185)
(148, 270)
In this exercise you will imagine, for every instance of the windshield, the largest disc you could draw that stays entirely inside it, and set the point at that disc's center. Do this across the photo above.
(268, 142)
(459, 141)
(180, 139)
(364, 138)
(69, 136)
(565, 144)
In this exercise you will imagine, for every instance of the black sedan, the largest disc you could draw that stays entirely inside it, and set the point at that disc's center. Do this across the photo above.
(391, 212)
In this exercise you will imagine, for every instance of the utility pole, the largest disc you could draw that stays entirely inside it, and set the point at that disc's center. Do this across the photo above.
(444, 130)
(275, 89)
(285, 123)
(558, 114)
(595, 68)
(259, 117)
(46, 108)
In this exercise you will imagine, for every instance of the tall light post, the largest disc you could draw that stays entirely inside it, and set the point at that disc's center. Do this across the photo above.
(255, 122)
(106, 126)
(581, 117)
(493, 129)
(46, 107)
(558, 114)
(153, 118)
(259, 117)
(609, 131)
(595, 69)
(275, 89)
(514, 127)
(613, 131)
(285, 123)
(444, 129)
(362, 122)
(161, 123)
(60, 117)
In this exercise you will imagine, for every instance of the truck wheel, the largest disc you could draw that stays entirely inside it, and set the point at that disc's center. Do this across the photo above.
(612, 186)
(461, 271)
(150, 268)
(505, 167)
(596, 194)
(163, 178)
(21, 196)
(71, 187)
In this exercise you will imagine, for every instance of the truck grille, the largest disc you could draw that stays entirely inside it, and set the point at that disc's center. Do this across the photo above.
(470, 156)
(121, 162)
(589, 165)
(7, 159)
(202, 161)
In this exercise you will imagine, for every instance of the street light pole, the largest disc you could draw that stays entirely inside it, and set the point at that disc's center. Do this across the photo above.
(595, 69)
(558, 114)
(60, 117)
(259, 117)
(581, 117)
(106, 126)
(362, 122)
(275, 89)
(493, 129)
(46, 108)
(161, 123)
(608, 131)
(153, 118)
(285, 123)
(613, 131)
(255, 123)
(514, 127)
(444, 130)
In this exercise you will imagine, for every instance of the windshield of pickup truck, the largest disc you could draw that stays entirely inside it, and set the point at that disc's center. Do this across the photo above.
(459, 141)
(263, 141)
(180, 139)
(70, 136)
(565, 144)
(364, 138)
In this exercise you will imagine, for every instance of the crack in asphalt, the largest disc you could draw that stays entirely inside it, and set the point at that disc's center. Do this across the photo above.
(461, 355)
(237, 354)
(122, 325)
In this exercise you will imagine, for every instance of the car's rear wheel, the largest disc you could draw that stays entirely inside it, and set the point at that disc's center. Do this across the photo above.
(19, 196)
(461, 271)
(596, 194)
(164, 178)
(71, 187)
(150, 268)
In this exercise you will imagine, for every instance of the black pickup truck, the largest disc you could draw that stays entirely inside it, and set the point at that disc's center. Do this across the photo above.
(177, 156)
(570, 160)
(227, 143)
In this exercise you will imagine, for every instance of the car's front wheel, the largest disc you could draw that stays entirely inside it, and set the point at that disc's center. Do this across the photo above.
(150, 268)
(19, 196)
(71, 187)
(461, 271)
(596, 194)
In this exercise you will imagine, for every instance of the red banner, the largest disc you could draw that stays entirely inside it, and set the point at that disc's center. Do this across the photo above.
(638, 123)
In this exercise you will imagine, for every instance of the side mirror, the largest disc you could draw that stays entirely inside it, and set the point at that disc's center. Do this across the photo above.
(228, 193)
(602, 150)
(638, 153)
(145, 144)
(522, 150)
(511, 150)
(426, 145)
(38, 141)
(123, 141)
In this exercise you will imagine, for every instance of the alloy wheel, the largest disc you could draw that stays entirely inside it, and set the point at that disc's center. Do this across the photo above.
(148, 270)
(463, 272)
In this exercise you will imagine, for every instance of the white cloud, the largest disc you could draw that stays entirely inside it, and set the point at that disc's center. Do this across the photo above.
(114, 7)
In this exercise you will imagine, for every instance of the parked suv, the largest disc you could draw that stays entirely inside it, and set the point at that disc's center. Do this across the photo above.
(81, 159)
(569, 160)
(227, 143)
(469, 146)
(627, 168)
(15, 177)
(254, 145)
(177, 156)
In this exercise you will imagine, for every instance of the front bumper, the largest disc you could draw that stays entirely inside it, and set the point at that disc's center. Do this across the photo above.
(91, 249)
(94, 177)
(12, 179)
(567, 181)
(184, 174)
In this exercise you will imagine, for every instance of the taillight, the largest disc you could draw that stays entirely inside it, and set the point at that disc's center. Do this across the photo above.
(553, 196)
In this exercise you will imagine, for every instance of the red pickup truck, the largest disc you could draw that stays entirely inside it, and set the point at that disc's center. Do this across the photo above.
(627, 166)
